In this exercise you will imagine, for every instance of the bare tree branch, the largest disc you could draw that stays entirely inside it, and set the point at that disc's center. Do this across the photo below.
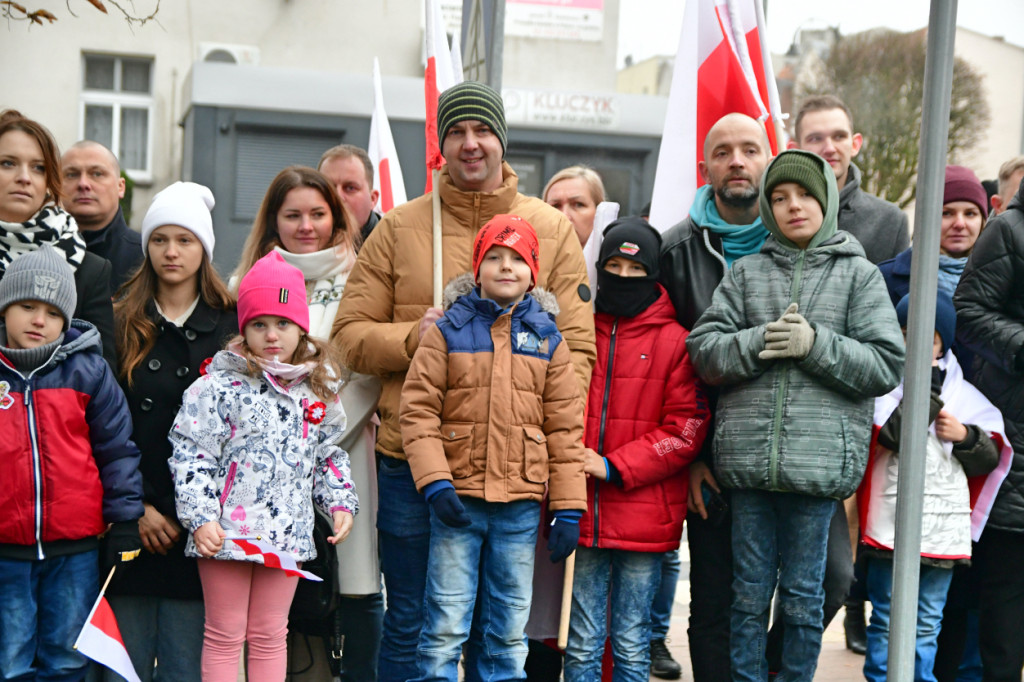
(11, 10)
(879, 74)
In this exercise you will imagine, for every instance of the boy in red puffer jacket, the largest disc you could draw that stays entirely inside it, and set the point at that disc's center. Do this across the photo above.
(647, 418)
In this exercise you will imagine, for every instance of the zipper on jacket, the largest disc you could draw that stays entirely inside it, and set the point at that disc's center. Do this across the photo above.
(773, 457)
(37, 469)
(604, 418)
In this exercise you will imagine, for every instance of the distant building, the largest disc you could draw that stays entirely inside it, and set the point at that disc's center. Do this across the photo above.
(227, 94)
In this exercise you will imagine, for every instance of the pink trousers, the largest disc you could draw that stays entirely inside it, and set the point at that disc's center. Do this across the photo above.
(249, 602)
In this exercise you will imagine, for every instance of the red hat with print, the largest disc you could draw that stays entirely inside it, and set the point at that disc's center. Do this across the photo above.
(273, 287)
(512, 232)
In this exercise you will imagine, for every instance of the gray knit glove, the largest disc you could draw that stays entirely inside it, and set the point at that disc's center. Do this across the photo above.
(790, 336)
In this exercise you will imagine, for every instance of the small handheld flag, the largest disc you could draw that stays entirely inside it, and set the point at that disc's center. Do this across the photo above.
(272, 557)
(101, 640)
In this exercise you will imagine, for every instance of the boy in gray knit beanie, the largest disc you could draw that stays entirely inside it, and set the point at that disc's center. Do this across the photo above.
(37, 300)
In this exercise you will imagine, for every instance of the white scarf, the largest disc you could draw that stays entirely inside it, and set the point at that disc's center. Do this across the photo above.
(328, 271)
(51, 226)
(946, 537)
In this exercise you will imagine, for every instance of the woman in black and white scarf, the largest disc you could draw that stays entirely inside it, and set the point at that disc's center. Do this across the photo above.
(30, 217)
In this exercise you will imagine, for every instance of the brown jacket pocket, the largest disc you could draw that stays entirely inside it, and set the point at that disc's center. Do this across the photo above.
(535, 454)
(458, 448)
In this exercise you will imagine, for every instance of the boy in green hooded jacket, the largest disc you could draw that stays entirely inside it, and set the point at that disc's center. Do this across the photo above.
(800, 338)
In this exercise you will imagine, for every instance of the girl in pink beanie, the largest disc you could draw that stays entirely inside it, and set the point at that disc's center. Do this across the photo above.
(254, 443)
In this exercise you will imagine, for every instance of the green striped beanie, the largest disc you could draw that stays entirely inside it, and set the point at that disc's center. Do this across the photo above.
(471, 101)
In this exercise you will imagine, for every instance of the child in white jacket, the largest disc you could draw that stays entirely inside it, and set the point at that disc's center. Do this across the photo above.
(967, 455)
(254, 448)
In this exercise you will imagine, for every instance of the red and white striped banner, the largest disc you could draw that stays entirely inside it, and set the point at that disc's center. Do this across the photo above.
(722, 66)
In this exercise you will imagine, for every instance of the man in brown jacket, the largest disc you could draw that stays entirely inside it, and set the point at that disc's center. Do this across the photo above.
(386, 310)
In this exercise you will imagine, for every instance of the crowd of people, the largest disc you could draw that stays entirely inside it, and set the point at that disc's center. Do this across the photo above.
(193, 441)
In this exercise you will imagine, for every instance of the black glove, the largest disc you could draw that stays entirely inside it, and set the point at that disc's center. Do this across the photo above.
(565, 535)
(449, 509)
(123, 543)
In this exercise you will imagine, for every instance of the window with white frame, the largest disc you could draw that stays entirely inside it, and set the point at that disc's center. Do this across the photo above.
(117, 109)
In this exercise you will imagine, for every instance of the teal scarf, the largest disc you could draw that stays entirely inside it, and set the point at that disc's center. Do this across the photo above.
(737, 240)
(950, 270)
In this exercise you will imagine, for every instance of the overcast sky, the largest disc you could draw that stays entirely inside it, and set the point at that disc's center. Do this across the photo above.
(651, 27)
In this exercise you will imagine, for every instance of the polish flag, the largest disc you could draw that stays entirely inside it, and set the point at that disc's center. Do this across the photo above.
(387, 171)
(273, 558)
(722, 66)
(101, 641)
(439, 76)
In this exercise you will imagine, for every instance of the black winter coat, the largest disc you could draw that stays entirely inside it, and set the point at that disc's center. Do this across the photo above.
(990, 321)
(92, 283)
(692, 265)
(159, 382)
(120, 245)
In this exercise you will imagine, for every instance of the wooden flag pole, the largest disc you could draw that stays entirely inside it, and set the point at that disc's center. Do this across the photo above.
(563, 620)
(438, 260)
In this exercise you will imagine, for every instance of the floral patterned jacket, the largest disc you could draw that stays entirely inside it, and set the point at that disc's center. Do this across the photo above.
(251, 453)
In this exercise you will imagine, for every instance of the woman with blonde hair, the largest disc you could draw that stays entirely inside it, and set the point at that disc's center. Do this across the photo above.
(576, 191)
(303, 220)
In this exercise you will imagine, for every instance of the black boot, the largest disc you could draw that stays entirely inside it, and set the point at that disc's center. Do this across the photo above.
(662, 663)
(853, 623)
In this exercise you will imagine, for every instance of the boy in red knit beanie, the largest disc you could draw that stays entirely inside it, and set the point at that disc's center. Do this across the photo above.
(491, 414)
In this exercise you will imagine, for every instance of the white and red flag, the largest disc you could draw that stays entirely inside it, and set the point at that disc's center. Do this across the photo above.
(722, 66)
(101, 641)
(387, 171)
(438, 77)
(273, 557)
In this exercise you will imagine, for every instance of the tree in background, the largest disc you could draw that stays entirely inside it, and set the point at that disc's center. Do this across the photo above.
(880, 76)
(18, 11)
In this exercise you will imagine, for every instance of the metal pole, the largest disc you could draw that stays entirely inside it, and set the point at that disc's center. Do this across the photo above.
(938, 86)
(496, 51)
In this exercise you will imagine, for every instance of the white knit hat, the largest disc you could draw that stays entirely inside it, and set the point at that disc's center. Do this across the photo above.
(186, 204)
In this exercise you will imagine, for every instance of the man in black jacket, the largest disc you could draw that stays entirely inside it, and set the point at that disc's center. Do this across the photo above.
(93, 188)
(723, 225)
(824, 126)
(990, 322)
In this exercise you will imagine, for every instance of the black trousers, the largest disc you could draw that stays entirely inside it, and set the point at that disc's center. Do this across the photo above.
(710, 596)
(1001, 559)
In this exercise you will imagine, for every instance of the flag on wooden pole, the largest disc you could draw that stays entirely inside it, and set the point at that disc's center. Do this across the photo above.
(722, 66)
(101, 640)
(438, 77)
(387, 171)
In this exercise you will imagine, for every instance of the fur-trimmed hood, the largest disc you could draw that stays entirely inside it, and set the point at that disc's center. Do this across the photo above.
(460, 285)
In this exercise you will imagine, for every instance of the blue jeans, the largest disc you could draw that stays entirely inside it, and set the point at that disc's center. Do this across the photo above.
(665, 596)
(931, 598)
(632, 578)
(43, 606)
(158, 629)
(495, 553)
(403, 523)
(778, 538)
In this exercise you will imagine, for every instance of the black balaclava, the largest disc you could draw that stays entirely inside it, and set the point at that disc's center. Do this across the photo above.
(635, 239)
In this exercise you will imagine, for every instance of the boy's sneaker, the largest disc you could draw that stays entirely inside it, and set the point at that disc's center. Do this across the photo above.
(662, 663)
